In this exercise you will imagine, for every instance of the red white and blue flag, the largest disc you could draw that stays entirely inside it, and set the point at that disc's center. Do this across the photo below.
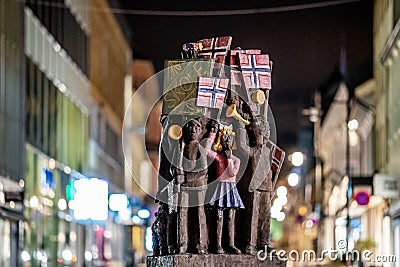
(256, 70)
(236, 75)
(217, 49)
(234, 56)
(277, 157)
(211, 92)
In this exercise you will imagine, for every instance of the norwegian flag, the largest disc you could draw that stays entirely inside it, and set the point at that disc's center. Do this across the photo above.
(256, 70)
(236, 75)
(211, 92)
(234, 55)
(277, 158)
(217, 49)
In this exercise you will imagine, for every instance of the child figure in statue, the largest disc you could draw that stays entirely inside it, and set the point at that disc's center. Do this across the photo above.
(225, 194)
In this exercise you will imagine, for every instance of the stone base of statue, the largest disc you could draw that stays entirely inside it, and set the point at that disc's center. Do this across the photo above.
(218, 260)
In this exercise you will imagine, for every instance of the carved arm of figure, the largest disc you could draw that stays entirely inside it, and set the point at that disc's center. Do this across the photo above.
(213, 129)
(233, 166)
(177, 171)
(242, 142)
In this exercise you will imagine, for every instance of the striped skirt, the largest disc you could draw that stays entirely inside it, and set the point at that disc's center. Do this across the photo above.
(224, 195)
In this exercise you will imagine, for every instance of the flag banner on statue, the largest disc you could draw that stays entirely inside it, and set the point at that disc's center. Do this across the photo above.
(234, 56)
(236, 75)
(256, 70)
(277, 157)
(215, 48)
(211, 92)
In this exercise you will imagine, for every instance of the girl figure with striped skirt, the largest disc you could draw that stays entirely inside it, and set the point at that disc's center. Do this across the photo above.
(225, 194)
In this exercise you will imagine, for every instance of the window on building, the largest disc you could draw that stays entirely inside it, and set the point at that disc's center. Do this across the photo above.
(40, 110)
(54, 124)
(106, 137)
(61, 23)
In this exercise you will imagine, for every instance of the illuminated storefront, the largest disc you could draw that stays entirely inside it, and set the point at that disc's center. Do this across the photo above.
(68, 217)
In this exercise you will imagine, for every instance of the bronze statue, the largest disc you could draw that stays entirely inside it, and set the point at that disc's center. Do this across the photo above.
(191, 175)
(236, 186)
(256, 183)
(224, 196)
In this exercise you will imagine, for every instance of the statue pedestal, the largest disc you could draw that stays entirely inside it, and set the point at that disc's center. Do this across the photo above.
(223, 260)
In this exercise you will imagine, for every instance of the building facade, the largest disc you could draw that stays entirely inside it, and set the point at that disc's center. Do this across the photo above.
(348, 152)
(12, 133)
(62, 109)
(374, 151)
(386, 69)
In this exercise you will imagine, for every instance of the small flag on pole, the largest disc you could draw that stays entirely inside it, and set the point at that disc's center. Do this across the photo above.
(217, 49)
(277, 159)
(211, 92)
(236, 75)
(256, 70)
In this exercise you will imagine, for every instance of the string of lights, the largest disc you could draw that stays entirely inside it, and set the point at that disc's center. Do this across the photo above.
(190, 13)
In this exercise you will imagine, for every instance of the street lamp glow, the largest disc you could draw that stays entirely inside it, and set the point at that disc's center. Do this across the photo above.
(136, 219)
(302, 211)
(281, 191)
(275, 209)
(52, 163)
(88, 256)
(67, 169)
(352, 125)
(293, 179)
(34, 202)
(297, 159)
(144, 213)
(281, 201)
(25, 256)
(66, 254)
(62, 204)
(280, 216)
(309, 223)
(149, 239)
(124, 214)
(118, 202)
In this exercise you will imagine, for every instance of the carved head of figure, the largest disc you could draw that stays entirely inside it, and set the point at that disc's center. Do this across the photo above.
(226, 141)
(192, 131)
(259, 131)
(265, 130)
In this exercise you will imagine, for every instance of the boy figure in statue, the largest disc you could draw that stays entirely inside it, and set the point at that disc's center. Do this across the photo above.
(257, 182)
(225, 194)
(191, 175)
